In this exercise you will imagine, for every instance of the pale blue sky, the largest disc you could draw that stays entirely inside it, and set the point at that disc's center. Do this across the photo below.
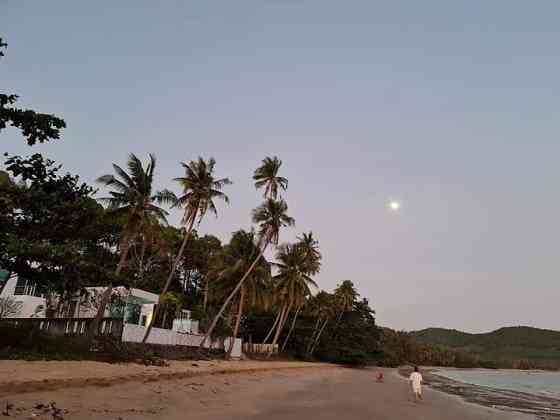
(451, 107)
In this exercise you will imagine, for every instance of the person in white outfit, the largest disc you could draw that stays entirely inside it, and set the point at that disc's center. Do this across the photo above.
(415, 380)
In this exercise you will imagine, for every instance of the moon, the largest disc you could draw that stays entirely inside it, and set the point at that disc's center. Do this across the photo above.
(394, 205)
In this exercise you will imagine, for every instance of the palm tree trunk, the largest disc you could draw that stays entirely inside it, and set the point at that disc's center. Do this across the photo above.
(206, 289)
(94, 326)
(171, 275)
(237, 322)
(142, 254)
(291, 328)
(315, 330)
(318, 339)
(283, 318)
(273, 326)
(230, 297)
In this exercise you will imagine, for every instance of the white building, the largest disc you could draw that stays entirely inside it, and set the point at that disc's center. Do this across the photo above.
(135, 306)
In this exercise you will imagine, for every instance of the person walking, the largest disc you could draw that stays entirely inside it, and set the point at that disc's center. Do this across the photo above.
(416, 380)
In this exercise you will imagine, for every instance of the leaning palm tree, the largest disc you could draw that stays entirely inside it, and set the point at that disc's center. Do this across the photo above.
(234, 260)
(131, 198)
(200, 190)
(293, 282)
(271, 216)
(266, 176)
(325, 309)
(311, 265)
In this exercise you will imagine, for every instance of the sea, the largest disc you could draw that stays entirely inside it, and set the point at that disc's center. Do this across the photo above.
(538, 383)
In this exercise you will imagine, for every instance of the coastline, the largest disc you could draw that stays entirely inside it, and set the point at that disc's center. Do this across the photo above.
(502, 399)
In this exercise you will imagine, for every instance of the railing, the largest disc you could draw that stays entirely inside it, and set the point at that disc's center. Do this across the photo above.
(260, 348)
(68, 326)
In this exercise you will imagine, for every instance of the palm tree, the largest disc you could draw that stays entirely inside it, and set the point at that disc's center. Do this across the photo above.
(293, 281)
(234, 260)
(312, 254)
(309, 247)
(322, 306)
(200, 189)
(266, 176)
(271, 216)
(133, 199)
(345, 295)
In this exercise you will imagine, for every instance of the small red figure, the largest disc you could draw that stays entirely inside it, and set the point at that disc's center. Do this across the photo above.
(379, 377)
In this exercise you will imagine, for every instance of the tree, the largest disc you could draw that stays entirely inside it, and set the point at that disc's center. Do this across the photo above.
(293, 281)
(345, 295)
(271, 216)
(35, 126)
(52, 232)
(233, 261)
(9, 307)
(131, 198)
(311, 264)
(266, 176)
(354, 341)
(200, 190)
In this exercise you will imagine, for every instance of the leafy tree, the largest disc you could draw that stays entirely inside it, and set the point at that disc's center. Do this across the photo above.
(355, 340)
(52, 232)
(35, 126)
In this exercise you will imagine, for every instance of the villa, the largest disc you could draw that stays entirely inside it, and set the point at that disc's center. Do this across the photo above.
(134, 306)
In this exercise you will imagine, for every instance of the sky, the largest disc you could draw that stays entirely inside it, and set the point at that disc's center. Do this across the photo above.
(449, 107)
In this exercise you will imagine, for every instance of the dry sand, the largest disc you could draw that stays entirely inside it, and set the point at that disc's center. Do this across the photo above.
(290, 391)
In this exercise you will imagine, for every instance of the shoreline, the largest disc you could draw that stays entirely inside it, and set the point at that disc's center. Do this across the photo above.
(501, 399)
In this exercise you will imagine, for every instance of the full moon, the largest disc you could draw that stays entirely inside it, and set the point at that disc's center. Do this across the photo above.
(395, 205)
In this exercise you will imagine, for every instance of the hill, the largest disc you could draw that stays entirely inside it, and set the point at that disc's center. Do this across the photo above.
(538, 347)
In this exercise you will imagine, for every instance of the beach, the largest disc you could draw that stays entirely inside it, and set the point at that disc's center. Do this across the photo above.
(221, 390)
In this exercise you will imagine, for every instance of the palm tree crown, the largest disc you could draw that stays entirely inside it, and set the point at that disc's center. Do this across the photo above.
(266, 176)
(200, 188)
(271, 216)
(345, 295)
(132, 195)
(310, 247)
(234, 260)
(293, 283)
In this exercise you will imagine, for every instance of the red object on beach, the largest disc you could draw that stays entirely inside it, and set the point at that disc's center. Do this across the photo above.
(379, 377)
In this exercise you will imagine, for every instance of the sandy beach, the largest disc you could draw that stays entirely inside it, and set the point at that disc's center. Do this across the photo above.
(221, 390)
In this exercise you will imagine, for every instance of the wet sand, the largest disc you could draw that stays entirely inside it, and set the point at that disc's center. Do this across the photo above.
(317, 393)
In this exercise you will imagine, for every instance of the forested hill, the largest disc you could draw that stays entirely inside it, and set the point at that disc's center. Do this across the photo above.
(504, 337)
(535, 345)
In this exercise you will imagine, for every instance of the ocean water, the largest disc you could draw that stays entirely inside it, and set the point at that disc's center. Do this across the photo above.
(531, 382)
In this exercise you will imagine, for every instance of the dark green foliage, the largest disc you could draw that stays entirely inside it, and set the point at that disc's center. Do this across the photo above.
(506, 347)
(516, 347)
(35, 126)
(52, 231)
(354, 340)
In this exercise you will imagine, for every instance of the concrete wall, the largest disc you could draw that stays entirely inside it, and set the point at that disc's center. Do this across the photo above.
(135, 334)
(28, 303)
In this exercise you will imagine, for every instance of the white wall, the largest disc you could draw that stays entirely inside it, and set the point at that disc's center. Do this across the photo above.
(28, 303)
(135, 334)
